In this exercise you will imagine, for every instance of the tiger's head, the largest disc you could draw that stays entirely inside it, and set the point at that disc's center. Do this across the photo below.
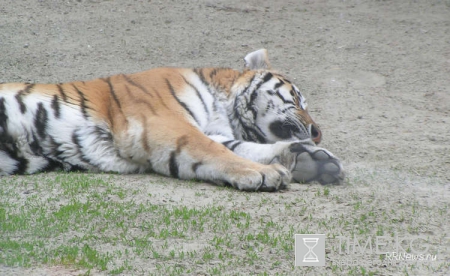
(266, 107)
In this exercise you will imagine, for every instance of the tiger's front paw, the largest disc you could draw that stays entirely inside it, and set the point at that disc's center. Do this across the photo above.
(312, 163)
(308, 163)
(264, 178)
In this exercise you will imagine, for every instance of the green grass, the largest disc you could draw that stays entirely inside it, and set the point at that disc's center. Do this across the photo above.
(94, 223)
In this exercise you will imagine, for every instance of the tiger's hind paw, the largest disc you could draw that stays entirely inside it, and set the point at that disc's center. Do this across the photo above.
(315, 164)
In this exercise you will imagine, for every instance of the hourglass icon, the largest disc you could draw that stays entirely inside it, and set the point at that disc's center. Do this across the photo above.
(310, 256)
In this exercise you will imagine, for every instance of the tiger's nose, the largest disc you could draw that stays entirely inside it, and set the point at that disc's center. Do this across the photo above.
(316, 134)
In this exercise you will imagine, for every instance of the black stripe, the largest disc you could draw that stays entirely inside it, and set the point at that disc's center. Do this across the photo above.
(263, 180)
(82, 102)
(251, 132)
(56, 152)
(61, 91)
(227, 143)
(244, 92)
(173, 165)
(130, 81)
(3, 117)
(233, 147)
(253, 135)
(56, 107)
(196, 165)
(19, 98)
(250, 83)
(149, 106)
(76, 141)
(103, 134)
(152, 109)
(40, 121)
(73, 168)
(113, 93)
(159, 97)
(198, 94)
(213, 73)
(236, 102)
(9, 147)
(144, 134)
(35, 147)
(250, 104)
(27, 89)
(278, 85)
(283, 99)
(266, 78)
(110, 116)
(232, 144)
(254, 93)
(143, 89)
(287, 108)
(52, 165)
(127, 89)
(200, 74)
(7, 143)
(22, 166)
(172, 91)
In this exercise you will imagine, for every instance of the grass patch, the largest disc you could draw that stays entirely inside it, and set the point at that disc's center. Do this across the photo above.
(95, 222)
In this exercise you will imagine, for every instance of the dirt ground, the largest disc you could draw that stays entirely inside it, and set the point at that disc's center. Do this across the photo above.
(376, 75)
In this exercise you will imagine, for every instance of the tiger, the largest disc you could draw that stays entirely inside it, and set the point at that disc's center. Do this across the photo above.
(247, 129)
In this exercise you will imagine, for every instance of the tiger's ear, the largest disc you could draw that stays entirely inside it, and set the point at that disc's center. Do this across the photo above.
(257, 60)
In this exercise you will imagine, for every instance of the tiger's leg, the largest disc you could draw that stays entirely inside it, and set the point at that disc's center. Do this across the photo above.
(304, 159)
(192, 155)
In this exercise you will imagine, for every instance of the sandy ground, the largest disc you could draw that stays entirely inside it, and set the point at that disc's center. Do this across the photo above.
(375, 74)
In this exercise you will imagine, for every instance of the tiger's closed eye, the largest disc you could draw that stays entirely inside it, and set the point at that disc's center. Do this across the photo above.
(282, 129)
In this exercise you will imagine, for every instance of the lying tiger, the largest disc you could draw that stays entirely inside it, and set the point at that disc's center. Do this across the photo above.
(249, 130)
